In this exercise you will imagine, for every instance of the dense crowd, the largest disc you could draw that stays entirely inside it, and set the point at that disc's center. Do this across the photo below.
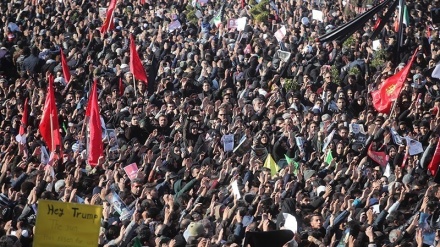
(310, 113)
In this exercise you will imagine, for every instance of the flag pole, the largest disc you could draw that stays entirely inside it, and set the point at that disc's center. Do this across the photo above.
(393, 108)
(134, 86)
(400, 31)
(51, 133)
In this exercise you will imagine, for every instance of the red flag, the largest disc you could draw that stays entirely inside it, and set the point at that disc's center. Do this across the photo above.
(66, 70)
(435, 161)
(242, 4)
(376, 25)
(378, 157)
(396, 26)
(109, 23)
(121, 87)
(95, 129)
(135, 63)
(49, 127)
(24, 118)
(390, 89)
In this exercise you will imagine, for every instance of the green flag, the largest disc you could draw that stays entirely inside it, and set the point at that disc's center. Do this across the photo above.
(295, 165)
(64, 127)
(329, 157)
(137, 243)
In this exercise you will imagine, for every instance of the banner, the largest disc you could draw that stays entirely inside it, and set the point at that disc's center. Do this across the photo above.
(67, 224)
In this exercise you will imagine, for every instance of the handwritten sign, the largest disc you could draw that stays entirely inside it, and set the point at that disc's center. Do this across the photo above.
(67, 224)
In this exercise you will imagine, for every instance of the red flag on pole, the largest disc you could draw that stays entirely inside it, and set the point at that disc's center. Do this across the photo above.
(121, 87)
(49, 127)
(135, 63)
(95, 140)
(435, 161)
(108, 23)
(66, 70)
(390, 89)
(24, 118)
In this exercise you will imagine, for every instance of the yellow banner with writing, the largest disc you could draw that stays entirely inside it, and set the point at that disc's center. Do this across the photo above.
(67, 224)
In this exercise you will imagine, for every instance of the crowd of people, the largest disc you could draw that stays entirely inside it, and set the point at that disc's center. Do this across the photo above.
(309, 111)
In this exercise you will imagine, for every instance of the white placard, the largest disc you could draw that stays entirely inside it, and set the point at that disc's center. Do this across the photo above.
(317, 15)
(280, 33)
(436, 72)
(228, 142)
(290, 222)
(174, 25)
(415, 147)
(235, 190)
(102, 13)
(376, 45)
(283, 55)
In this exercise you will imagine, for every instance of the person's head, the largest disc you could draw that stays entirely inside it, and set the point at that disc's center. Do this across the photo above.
(340, 103)
(257, 103)
(222, 114)
(206, 86)
(394, 235)
(163, 121)
(316, 221)
(136, 187)
(135, 120)
(424, 128)
(10, 241)
(327, 77)
(343, 132)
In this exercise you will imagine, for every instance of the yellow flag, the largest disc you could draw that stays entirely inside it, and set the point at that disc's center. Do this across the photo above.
(270, 164)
